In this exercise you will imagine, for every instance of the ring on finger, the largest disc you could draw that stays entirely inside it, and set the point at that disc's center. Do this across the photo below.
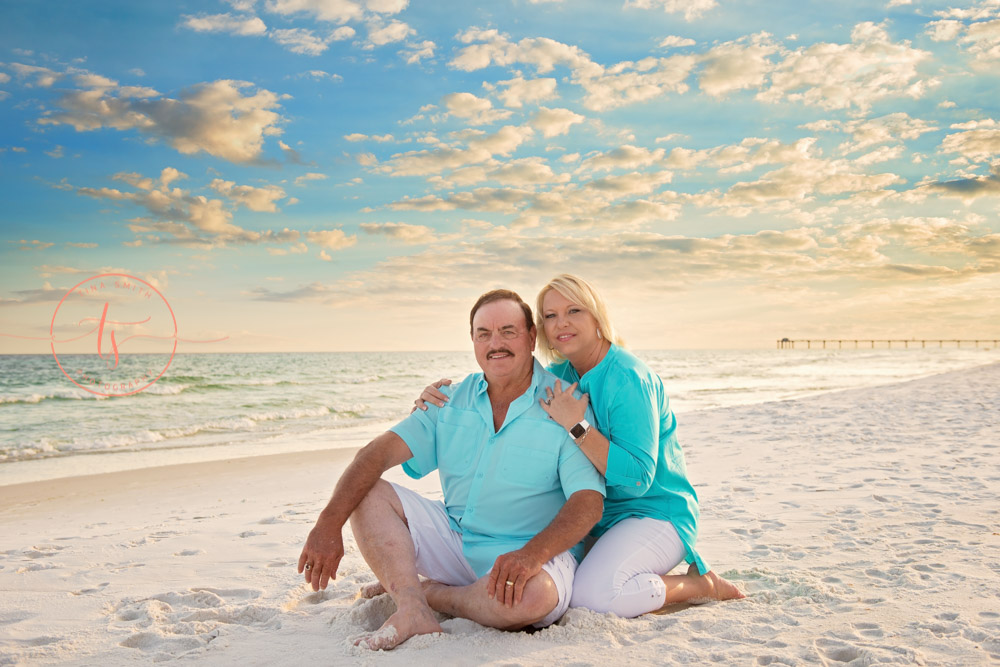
(510, 583)
(309, 566)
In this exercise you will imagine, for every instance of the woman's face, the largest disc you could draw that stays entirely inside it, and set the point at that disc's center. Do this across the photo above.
(568, 326)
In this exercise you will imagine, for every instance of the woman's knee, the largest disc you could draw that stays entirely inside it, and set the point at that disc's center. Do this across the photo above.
(593, 594)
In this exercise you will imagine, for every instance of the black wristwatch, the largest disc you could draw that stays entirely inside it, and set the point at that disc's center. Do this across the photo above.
(579, 429)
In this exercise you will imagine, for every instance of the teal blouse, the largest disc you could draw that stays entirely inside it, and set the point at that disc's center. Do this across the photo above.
(646, 474)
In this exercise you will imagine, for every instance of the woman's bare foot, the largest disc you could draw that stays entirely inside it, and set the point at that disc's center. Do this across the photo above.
(372, 589)
(715, 587)
(399, 627)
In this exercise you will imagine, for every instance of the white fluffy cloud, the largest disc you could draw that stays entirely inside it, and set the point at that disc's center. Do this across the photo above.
(395, 31)
(399, 231)
(301, 40)
(255, 199)
(841, 76)
(737, 65)
(332, 239)
(236, 25)
(474, 110)
(692, 9)
(979, 142)
(554, 122)
(335, 11)
(519, 91)
(215, 118)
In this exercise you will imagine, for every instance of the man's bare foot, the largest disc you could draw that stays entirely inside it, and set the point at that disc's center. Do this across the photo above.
(716, 588)
(399, 627)
(372, 589)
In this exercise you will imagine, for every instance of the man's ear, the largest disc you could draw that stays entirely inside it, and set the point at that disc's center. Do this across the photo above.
(533, 332)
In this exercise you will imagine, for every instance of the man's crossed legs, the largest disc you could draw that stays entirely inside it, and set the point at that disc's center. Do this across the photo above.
(402, 534)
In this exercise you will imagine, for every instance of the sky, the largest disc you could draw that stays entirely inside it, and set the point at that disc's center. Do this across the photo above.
(312, 175)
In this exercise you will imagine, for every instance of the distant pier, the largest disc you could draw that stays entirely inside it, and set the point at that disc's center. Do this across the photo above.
(789, 344)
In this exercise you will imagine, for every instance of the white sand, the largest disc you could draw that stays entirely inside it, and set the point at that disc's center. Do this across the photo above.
(864, 526)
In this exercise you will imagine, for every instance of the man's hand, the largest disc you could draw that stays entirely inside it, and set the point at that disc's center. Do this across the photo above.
(510, 574)
(322, 553)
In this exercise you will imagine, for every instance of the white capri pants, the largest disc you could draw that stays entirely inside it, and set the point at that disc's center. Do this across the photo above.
(621, 573)
(439, 551)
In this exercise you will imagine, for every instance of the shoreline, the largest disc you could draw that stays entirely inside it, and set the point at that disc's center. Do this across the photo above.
(110, 460)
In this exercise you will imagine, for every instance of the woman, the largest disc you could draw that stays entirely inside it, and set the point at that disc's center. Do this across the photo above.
(651, 512)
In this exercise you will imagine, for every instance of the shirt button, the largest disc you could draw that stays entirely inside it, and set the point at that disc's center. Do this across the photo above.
(638, 483)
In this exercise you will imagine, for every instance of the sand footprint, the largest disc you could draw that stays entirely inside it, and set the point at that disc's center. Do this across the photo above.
(172, 624)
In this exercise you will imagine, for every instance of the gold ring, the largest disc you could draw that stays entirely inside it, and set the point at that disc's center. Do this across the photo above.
(510, 583)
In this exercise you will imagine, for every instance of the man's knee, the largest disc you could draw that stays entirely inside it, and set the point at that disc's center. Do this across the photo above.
(381, 498)
(540, 597)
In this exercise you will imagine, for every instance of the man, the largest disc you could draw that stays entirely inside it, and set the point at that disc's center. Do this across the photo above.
(518, 495)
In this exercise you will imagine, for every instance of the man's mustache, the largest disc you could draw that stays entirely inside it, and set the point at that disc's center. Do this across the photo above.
(501, 350)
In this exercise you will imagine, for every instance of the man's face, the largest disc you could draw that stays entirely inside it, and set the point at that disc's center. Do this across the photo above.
(501, 353)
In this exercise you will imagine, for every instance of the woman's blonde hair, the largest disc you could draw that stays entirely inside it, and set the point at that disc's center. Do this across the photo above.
(580, 292)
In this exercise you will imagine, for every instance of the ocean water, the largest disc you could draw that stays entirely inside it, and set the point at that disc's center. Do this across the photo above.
(215, 406)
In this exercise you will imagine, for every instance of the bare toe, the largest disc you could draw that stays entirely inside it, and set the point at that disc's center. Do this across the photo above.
(372, 589)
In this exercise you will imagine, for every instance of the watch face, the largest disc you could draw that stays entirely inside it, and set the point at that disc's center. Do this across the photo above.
(577, 431)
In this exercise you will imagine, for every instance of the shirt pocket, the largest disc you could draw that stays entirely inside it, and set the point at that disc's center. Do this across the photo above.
(527, 466)
(459, 439)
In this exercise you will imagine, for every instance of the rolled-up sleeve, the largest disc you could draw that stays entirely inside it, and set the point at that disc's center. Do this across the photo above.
(634, 437)
(418, 431)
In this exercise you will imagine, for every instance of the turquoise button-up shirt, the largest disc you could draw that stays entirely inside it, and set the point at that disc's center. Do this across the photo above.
(646, 474)
(500, 488)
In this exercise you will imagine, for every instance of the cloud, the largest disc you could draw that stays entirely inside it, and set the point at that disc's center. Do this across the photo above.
(841, 76)
(969, 189)
(334, 11)
(520, 91)
(478, 150)
(297, 249)
(332, 239)
(4, 77)
(395, 31)
(624, 157)
(311, 176)
(236, 25)
(215, 118)
(737, 65)
(34, 244)
(81, 245)
(475, 110)
(56, 152)
(555, 122)
(400, 231)
(692, 9)
(981, 38)
(979, 142)
(43, 77)
(301, 40)
(175, 215)
(357, 136)
(255, 199)
(417, 52)
(673, 41)
(892, 128)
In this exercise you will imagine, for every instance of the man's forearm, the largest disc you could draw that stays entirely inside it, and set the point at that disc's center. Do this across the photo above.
(361, 475)
(574, 521)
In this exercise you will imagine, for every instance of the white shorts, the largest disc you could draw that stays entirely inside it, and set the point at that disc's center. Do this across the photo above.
(440, 557)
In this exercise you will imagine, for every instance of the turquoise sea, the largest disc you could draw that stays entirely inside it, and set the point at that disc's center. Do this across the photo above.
(215, 406)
